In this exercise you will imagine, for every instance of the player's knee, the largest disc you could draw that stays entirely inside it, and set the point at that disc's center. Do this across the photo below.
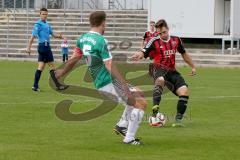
(159, 81)
(41, 67)
(182, 91)
(51, 66)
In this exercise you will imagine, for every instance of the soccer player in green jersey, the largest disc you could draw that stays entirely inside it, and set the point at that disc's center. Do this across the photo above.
(93, 47)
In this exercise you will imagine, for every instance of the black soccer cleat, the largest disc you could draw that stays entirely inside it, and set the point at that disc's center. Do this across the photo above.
(178, 121)
(135, 142)
(35, 89)
(120, 131)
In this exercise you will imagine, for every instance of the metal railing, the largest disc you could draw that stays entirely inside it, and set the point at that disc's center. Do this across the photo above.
(75, 4)
(17, 3)
(91, 4)
(116, 4)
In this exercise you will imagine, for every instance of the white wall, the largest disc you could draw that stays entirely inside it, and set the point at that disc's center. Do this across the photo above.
(186, 18)
(219, 16)
(235, 21)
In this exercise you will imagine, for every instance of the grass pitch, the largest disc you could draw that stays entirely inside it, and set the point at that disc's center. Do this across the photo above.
(30, 130)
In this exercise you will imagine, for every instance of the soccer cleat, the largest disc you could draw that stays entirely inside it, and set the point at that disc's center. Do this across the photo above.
(178, 121)
(155, 110)
(135, 142)
(35, 89)
(120, 130)
(178, 124)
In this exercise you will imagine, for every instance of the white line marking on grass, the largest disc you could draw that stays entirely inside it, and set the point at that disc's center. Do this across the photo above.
(85, 100)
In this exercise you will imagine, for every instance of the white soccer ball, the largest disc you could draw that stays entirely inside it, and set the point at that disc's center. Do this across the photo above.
(159, 120)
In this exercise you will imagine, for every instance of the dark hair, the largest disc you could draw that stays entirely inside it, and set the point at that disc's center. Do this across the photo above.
(152, 22)
(96, 18)
(161, 23)
(43, 9)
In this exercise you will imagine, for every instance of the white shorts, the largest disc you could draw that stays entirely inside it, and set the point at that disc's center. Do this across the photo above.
(115, 92)
(110, 91)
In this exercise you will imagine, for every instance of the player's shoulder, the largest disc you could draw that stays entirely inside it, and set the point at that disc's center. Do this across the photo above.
(153, 39)
(146, 32)
(175, 37)
(38, 22)
(47, 23)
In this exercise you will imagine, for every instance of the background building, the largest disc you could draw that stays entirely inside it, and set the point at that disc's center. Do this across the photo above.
(212, 19)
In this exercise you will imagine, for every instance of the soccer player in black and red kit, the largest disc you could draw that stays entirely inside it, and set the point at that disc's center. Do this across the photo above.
(163, 50)
(149, 34)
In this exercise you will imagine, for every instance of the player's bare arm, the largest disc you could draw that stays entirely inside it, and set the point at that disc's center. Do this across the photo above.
(110, 66)
(114, 71)
(69, 64)
(30, 45)
(189, 61)
(137, 56)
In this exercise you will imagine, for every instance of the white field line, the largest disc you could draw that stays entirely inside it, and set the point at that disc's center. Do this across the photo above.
(92, 100)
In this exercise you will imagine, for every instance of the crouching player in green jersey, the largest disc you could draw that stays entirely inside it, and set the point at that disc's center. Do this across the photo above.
(93, 47)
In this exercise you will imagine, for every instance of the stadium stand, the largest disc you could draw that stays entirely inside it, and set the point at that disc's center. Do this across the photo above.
(124, 31)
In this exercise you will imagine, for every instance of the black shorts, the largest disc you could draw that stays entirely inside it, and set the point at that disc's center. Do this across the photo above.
(173, 78)
(45, 53)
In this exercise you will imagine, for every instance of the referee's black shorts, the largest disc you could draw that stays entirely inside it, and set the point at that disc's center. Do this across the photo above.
(45, 53)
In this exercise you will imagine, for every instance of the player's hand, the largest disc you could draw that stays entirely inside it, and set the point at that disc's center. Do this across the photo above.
(137, 56)
(130, 97)
(193, 73)
(28, 51)
(58, 73)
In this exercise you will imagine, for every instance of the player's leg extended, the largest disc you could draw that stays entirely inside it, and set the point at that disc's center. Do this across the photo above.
(110, 91)
(182, 93)
(157, 93)
(122, 125)
(133, 113)
(181, 90)
(37, 76)
(135, 118)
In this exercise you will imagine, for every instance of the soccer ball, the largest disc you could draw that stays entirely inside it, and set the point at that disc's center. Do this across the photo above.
(158, 121)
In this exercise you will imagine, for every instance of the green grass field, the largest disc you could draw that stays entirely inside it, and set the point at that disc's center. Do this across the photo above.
(30, 130)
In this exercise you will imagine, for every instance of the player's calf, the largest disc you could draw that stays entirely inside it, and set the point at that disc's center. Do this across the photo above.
(181, 107)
